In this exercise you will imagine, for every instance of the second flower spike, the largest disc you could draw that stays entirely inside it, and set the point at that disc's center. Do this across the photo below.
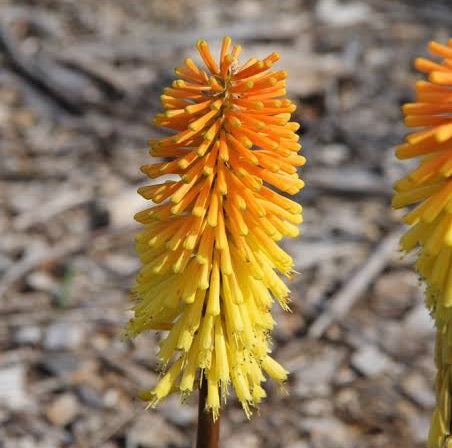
(430, 186)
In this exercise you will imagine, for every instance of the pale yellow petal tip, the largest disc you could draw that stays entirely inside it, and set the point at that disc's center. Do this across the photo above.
(274, 369)
(146, 395)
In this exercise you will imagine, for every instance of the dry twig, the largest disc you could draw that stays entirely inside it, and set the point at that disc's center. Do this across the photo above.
(344, 299)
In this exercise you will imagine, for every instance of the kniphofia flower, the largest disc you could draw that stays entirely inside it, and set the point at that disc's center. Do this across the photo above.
(430, 185)
(209, 245)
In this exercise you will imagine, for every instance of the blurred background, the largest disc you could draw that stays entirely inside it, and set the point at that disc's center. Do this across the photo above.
(79, 83)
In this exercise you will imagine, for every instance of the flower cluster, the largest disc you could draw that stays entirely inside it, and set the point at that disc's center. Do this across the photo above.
(430, 184)
(209, 245)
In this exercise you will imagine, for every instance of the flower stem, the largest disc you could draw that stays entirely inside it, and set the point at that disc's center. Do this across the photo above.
(208, 429)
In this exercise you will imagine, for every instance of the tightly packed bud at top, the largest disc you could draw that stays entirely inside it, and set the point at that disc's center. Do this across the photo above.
(208, 246)
(430, 184)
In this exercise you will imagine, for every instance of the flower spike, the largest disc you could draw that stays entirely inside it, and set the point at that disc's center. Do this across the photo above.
(430, 187)
(208, 246)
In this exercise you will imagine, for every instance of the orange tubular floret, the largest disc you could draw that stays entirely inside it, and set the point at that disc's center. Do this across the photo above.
(441, 77)
(204, 51)
(426, 108)
(440, 50)
(224, 49)
(426, 66)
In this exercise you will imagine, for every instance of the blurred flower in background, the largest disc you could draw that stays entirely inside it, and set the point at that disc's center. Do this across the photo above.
(430, 183)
